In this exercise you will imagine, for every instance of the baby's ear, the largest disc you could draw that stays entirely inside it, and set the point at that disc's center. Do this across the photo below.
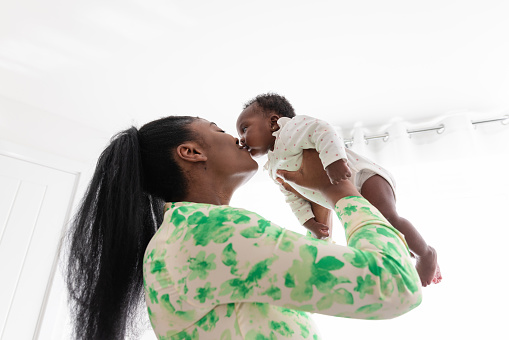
(273, 119)
(191, 152)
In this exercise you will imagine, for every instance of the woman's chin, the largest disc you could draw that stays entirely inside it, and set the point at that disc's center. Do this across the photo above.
(253, 161)
(249, 173)
(254, 169)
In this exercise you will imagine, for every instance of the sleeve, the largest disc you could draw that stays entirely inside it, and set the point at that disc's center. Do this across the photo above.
(300, 207)
(315, 133)
(371, 278)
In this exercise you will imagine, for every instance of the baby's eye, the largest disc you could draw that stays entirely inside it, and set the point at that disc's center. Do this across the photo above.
(244, 129)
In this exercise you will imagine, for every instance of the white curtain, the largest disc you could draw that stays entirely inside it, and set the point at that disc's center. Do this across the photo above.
(454, 187)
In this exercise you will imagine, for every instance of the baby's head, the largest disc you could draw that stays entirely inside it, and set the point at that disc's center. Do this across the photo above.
(258, 121)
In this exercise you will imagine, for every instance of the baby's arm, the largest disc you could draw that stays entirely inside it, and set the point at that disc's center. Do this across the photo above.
(320, 225)
(338, 171)
(302, 209)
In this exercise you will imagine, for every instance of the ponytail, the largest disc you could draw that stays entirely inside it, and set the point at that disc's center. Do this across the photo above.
(112, 227)
(120, 212)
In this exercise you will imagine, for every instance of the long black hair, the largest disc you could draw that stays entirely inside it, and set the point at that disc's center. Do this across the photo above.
(120, 212)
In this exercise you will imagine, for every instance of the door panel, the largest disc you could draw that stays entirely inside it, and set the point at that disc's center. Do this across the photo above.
(34, 206)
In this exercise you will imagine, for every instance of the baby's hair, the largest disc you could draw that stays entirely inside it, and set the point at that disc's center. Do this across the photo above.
(273, 102)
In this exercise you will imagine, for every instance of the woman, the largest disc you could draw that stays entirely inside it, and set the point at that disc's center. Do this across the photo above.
(212, 271)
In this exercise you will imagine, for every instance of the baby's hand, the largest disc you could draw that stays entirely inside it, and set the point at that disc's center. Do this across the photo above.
(318, 229)
(338, 171)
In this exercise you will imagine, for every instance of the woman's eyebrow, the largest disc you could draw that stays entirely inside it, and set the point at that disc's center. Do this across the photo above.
(214, 124)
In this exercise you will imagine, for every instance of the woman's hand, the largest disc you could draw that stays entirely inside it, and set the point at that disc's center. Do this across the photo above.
(338, 171)
(311, 175)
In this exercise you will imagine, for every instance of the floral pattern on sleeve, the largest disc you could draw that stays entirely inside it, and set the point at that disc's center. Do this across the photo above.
(217, 272)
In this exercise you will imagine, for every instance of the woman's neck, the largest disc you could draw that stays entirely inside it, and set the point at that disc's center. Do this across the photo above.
(208, 196)
(205, 190)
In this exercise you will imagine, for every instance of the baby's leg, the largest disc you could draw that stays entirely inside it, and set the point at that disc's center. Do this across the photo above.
(379, 193)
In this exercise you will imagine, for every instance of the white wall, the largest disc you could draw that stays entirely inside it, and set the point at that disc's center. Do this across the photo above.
(58, 156)
(55, 136)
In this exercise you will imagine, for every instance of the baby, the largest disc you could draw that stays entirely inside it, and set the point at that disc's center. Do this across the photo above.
(268, 125)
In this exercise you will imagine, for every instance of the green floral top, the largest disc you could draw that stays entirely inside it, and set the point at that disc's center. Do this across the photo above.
(217, 272)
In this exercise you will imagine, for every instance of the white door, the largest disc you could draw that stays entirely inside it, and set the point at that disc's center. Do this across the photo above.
(35, 201)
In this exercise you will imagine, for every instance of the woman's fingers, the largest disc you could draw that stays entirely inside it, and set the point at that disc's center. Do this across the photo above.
(288, 187)
(310, 175)
(286, 176)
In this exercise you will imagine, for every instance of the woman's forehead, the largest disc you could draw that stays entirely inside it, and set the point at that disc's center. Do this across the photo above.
(204, 124)
(202, 121)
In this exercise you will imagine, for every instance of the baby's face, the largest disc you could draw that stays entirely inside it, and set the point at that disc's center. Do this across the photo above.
(254, 129)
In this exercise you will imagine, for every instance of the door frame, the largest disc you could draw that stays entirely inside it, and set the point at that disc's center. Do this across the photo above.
(73, 167)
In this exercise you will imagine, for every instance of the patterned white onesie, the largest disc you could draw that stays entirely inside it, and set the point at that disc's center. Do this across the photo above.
(304, 132)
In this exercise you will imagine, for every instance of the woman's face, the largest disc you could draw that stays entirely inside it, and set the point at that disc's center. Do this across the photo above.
(224, 153)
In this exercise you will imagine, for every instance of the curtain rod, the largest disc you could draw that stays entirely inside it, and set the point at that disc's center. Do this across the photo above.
(439, 129)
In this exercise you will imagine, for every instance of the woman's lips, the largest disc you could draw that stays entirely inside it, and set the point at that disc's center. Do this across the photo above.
(244, 148)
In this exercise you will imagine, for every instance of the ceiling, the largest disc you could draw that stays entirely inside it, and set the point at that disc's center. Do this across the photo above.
(108, 64)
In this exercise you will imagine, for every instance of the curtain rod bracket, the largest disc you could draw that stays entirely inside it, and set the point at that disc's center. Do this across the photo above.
(439, 129)
(504, 120)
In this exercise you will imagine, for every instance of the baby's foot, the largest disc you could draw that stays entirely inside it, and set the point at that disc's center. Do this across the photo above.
(438, 275)
(319, 230)
(426, 266)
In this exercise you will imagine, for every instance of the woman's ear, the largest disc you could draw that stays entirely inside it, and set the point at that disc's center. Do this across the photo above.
(191, 152)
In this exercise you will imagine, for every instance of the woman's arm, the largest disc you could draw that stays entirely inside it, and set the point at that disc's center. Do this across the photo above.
(208, 255)
(372, 278)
